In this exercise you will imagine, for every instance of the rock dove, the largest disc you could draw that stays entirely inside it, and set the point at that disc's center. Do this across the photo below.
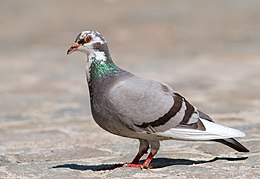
(130, 106)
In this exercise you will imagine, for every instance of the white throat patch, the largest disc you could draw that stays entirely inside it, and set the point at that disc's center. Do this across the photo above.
(96, 55)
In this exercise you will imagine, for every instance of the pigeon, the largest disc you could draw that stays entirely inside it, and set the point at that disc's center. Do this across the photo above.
(129, 106)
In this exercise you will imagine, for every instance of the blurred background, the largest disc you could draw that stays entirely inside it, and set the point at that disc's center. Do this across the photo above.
(208, 50)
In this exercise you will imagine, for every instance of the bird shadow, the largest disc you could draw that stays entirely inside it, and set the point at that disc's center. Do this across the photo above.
(156, 163)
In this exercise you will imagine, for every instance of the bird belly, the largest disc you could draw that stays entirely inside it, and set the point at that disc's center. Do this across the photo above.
(111, 122)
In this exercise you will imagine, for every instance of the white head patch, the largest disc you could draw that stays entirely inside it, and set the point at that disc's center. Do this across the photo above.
(89, 48)
(95, 36)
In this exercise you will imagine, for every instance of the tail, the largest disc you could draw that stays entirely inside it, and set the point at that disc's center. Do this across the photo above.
(233, 144)
(213, 132)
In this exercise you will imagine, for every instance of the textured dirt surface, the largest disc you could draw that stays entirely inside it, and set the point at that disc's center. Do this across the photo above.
(209, 51)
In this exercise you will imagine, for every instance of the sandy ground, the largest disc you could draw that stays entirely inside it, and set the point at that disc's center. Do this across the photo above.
(208, 51)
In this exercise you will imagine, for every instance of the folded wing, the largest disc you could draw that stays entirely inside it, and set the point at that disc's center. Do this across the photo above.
(149, 106)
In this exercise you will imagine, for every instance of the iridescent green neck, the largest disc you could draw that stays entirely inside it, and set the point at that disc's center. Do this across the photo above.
(100, 68)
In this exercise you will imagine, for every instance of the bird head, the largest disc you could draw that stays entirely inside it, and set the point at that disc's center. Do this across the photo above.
(87, 42)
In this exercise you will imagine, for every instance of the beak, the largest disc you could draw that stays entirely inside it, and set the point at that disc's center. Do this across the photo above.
(73, 48)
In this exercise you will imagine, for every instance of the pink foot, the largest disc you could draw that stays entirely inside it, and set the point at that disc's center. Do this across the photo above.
(141, 166)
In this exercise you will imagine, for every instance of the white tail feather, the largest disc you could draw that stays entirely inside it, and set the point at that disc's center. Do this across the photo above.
(213, 131)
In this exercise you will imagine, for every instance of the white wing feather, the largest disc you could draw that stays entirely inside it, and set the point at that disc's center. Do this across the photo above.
(213, 131)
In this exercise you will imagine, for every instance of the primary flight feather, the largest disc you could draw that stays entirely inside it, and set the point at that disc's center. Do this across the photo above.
(130, 106)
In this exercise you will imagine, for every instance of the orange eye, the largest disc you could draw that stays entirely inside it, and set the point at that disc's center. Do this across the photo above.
(88, 39)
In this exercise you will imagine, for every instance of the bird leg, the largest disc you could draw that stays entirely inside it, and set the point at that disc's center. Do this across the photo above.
(146, 163)
(143, 148)
(148, 160)
(154, 149)
(138, 156)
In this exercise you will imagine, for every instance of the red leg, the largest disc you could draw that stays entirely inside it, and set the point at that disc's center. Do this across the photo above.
(154, 149)
(138, 156)
(146, 163)
(144, 146)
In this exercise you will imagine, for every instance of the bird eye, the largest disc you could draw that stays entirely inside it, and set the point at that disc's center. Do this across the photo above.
(88, 39)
